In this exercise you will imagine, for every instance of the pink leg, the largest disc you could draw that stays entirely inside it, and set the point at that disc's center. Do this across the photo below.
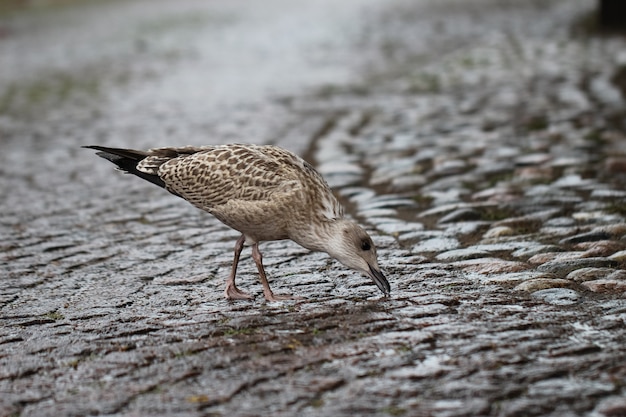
(267, 292)
(232, 292)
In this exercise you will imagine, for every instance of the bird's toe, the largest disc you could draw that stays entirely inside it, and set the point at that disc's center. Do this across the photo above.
(234, 293)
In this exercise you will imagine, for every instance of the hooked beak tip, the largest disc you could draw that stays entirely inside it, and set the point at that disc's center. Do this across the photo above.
(380, 281)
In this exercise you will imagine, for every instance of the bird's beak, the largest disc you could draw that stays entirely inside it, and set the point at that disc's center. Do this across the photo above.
(380, 280)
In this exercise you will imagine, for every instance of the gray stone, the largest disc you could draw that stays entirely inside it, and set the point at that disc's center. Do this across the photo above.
(608, 194)
(498, 232)
(585, 237)
(538, 284)
(460, 215)
(490, 266)
(386, 202)
(529, 251)
(558, 232)
(407, 182)
(610, 406)
(438, 244)
(510, 278)
(571, 386)
(461, 229)
(564, 267)
(619, 274)
(533, 159)
(449, 167)
(560, 222)
(504, 246)
(379, 212)
(596, 217)
(441, 209)
(395, 226)
(557, 296)
(606, 285)
(461, 254)
(619, 256)
(588, 274)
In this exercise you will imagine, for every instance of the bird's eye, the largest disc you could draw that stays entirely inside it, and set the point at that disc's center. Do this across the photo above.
(365, 245)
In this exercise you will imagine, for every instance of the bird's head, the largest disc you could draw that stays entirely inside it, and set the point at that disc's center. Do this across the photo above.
(353, 247)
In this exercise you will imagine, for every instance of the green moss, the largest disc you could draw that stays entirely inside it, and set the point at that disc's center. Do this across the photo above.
(496, 213)
(617, 207)
(186, 21)
(53, 315)
(317, 403)
(51, 91)
(316, 332)
(238, 331)
(394, 411)
(423, 200)
(330, 90)
(8, 7)
(595, 136)
(537, 123)
(495, 179)
(404, 349)
(424, 82)
(184, 353)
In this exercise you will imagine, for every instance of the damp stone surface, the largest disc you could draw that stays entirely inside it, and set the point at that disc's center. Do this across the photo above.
(481, 143)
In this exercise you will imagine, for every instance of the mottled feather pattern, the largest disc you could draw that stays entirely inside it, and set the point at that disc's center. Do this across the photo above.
(239, 178)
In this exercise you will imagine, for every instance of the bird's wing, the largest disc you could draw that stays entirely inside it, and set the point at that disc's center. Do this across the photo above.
(212, 177)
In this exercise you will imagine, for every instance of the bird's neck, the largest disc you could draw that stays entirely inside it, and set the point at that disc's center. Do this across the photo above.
(316, 237)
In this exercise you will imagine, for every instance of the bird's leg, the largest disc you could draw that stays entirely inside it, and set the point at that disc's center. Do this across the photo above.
(267, 292)
(232, 292)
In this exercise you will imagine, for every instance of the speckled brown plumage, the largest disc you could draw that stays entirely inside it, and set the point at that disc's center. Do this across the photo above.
(247, 187)
(265, 192)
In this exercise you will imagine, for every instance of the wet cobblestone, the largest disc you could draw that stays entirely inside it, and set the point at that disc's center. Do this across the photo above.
(482, 143)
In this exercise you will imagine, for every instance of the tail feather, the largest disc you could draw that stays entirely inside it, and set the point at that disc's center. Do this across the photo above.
(127, 160)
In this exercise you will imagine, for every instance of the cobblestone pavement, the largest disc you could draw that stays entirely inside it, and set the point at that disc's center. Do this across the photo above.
(481, 141)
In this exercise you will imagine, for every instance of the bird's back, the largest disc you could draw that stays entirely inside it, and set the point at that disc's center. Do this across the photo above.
(259, 190)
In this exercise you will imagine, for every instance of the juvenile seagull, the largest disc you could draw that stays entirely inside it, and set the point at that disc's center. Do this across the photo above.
(264, 192)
